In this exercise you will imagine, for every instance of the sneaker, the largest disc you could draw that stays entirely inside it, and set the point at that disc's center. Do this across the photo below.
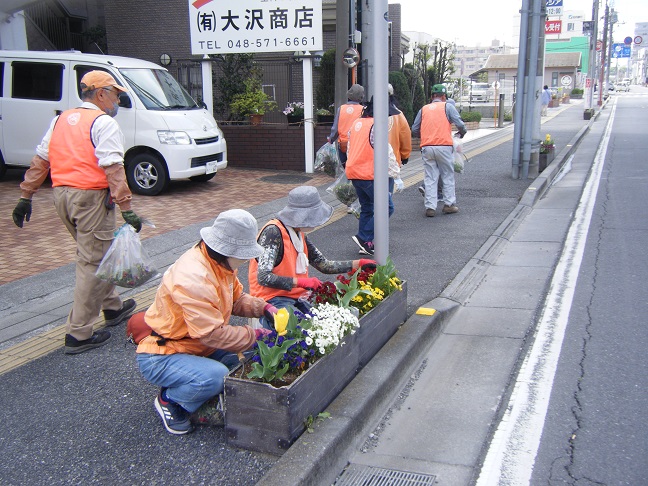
(450, 209)
(74, 346)
(366, 247)
(115, 317)
(174, 417)
(430, 213)
(422, 190)
(210, 413)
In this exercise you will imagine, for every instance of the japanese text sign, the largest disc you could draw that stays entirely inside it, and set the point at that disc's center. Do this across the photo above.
(226, 27)
(620, 50)
(553, 27)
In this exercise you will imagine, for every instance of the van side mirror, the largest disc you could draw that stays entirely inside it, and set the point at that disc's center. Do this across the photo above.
(125, 101)
(203, 105)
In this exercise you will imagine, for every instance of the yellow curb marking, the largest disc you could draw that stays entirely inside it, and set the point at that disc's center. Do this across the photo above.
(425, 311)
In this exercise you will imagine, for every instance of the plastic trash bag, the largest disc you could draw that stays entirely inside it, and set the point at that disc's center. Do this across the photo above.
(126, 263)
(327, 160)
(343, 190)
(460, 158)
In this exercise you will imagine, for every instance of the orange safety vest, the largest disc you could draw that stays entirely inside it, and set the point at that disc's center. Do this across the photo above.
(360, 159)
(285, 268)
(71, 154)
(348, 114)
(435, 127)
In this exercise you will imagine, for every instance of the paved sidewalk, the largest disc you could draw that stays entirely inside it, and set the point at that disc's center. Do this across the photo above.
(72, 405)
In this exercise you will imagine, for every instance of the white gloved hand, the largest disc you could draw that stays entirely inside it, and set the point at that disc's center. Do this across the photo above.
(398, 185)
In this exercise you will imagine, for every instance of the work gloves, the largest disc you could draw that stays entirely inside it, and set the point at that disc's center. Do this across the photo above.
(366, 264)
(309, 283)
(269, 311)
(22, 211)
(404, 161)
(131, 218)
(460, 133)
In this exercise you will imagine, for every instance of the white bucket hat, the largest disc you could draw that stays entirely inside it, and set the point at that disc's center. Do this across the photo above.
(305, 208)
(233, 234)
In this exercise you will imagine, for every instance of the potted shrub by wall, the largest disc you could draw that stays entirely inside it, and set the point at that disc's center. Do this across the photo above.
(547, 153)
(324, 116)
(576, 94)
(294, 112)
(253, 102)
(471, 119)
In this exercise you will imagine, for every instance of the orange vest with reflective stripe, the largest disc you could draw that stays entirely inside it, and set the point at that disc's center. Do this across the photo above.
(72, 156)
(360, 158)
(435, 127)
(285, 268)
(348, 114)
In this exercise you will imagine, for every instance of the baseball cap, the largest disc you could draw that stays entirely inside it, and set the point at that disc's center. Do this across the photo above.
(99, 79)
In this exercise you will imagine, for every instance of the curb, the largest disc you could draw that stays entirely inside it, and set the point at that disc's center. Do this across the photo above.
(360, 404)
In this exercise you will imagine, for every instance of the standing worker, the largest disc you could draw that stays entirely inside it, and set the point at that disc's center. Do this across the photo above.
(433, 125)
(345, 116)
(399, 133)
(83, 151)
(546, 98)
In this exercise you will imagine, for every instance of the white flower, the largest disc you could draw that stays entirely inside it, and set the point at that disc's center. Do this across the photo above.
(308, 341)
(329, 325)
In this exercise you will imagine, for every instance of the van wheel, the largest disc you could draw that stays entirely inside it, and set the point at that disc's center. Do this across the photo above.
(3, 168)
(202, 177)
(146, 174)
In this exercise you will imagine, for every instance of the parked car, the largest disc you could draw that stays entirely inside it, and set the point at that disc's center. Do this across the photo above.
(480, 92)
(168, 135)
(623, 86)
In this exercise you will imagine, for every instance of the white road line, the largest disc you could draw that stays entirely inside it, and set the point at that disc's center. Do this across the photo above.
(512, 452)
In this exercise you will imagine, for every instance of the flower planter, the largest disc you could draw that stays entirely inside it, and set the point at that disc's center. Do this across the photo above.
(295, 120)
(266, 419)
(554, 103)
(565, 100)
(325, 118)
(256, 119)
(545, 159)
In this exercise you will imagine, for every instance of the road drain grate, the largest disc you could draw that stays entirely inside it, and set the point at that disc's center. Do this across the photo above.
(356, 475)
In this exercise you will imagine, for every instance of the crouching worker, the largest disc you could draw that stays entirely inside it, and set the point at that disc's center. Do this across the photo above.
(280, 274)
(193, 346)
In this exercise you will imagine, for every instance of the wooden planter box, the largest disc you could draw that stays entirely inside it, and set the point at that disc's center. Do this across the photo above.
(554, 103)
(263, 418)
(565, 100)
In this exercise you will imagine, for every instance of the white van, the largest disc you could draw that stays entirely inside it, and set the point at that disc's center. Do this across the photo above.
(168, 135)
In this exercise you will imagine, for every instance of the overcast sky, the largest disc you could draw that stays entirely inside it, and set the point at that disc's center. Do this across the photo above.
(469, 22)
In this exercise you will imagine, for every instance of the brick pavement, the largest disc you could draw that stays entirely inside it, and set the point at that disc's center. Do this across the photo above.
(44, 243)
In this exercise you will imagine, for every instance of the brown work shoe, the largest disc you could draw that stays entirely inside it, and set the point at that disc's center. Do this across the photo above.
(430, 213)
(450, 209)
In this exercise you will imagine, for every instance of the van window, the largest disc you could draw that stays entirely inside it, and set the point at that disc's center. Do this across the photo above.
(158, 90)
(37, 81)
(1, 78)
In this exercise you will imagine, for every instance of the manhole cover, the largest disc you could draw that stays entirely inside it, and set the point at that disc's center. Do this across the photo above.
(356, 475)
(286, 179)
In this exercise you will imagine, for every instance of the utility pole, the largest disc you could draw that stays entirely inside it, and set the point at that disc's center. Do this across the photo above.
(603, 53)
(342, 36)
(591, 69)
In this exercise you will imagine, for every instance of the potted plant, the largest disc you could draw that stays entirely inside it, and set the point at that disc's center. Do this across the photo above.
(294, 111)
(324, 116)
(253, 102)
(588, 113)
(547, 152)
(471, 119)
(576, 93)
(309, 359)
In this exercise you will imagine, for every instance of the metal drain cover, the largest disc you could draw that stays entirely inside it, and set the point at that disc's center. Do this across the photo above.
(357, 475)
(286, 179)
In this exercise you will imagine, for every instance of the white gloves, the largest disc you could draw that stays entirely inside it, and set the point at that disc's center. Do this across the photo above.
(398, 185)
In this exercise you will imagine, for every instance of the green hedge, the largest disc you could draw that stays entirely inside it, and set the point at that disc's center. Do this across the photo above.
(577, 91)
(471, 116)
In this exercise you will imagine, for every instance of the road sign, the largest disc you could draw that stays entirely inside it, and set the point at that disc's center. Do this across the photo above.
(247, 26)
(620, 50)
(627, 40)
(638, 40)
(496, 85)
(599, 45)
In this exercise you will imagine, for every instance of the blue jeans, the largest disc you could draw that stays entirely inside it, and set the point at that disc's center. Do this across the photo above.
(281, 302)
(365, 191)
(189, 380)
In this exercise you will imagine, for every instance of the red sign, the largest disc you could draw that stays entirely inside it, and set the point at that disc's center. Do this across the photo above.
(588, 82)
(553, 27)
(599, 45)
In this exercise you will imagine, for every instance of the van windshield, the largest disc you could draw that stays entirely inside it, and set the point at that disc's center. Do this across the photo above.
(158, 90)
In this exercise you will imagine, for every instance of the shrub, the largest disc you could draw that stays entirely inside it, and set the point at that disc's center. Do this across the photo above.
(471, 116)
(402, 94)
(577, 91)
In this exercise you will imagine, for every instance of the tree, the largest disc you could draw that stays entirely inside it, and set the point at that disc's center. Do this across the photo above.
(398, 80)
(236, 69)
(416, 92)
(325, 92)
(433, 64)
